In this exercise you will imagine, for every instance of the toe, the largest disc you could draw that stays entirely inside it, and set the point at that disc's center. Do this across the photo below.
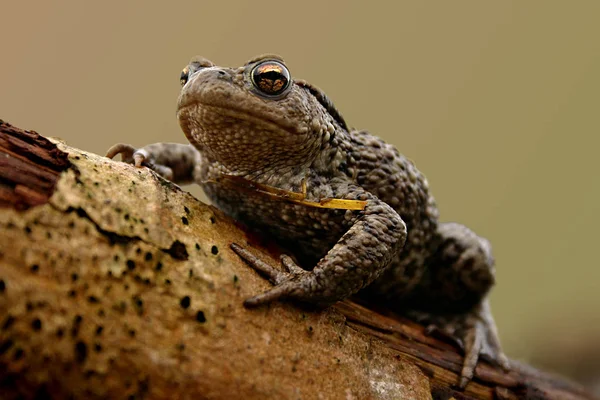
(139, 157)
(276, 293)
(290, 265)
(126, 151)
(473, 341)
(274, 275)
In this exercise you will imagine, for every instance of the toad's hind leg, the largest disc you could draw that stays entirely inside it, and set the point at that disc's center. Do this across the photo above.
(452, 297)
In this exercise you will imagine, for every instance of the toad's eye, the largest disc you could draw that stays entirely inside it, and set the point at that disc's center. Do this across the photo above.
(185, 74)
(196, 64)
(271, 78)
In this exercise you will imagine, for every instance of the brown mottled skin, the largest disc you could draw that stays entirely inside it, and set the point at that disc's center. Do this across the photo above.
(257, 124)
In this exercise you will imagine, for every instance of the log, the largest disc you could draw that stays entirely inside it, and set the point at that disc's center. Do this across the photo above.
(115, 283)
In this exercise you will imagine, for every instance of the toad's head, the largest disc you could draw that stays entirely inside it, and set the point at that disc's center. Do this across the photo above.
(255, 117)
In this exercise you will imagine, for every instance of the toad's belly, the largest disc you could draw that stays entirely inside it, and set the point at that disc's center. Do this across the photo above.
(308, 232)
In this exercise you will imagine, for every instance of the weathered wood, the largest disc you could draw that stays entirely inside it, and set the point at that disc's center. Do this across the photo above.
(29, 167)
(116, 283)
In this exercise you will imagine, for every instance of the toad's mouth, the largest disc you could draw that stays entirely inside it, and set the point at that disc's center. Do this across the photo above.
(198, 111)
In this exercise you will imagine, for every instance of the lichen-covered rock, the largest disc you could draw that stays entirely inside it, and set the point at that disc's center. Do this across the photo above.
(122, 285)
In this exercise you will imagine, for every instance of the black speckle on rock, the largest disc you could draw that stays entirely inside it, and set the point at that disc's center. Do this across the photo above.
(97, 347)
(93, 299)
(76, 325)
(5, 346)
(27, 230)
(126, 216)
(80, 351)
(36, 324)
(158, 266)
(185, 221)
(235, 279)
(214, 250)
(139, 304)
(34, 268)
(178, 251)
(72, 293)
(197, 246)
(212, 220)
(2, 286)
(200, 317)
(185, 302)
(74, 277)
(18, 354)
(143, 386)
(131, 332)
(60, 332)
(120, 307)
(8, 321)
(130, 265)
(187, 210)
(148, 256)
(99, 330)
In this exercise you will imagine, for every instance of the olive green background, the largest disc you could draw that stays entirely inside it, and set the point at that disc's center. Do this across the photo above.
(497, 103)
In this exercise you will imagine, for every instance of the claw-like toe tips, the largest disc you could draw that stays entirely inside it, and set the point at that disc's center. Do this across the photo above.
(278, 292)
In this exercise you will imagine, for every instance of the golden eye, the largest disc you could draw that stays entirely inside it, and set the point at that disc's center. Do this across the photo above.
(184, 76)
(196, 64)
(271, 78)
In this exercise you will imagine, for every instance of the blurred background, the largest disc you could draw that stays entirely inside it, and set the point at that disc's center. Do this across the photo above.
(497, 103)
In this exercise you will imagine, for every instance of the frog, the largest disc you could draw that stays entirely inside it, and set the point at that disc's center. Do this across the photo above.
(356, 217)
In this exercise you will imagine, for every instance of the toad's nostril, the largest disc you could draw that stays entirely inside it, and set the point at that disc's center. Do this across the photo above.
(221, 72)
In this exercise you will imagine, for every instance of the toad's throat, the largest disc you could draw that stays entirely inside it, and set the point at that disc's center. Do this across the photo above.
(262, 123)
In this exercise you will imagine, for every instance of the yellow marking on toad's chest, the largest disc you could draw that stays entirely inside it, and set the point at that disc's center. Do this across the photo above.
(292, 197)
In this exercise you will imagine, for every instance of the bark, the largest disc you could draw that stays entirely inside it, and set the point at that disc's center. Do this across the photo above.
(115, 283)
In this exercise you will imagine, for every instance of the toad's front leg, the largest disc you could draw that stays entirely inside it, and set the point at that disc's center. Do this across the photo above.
(375, 237)
(179, 163)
